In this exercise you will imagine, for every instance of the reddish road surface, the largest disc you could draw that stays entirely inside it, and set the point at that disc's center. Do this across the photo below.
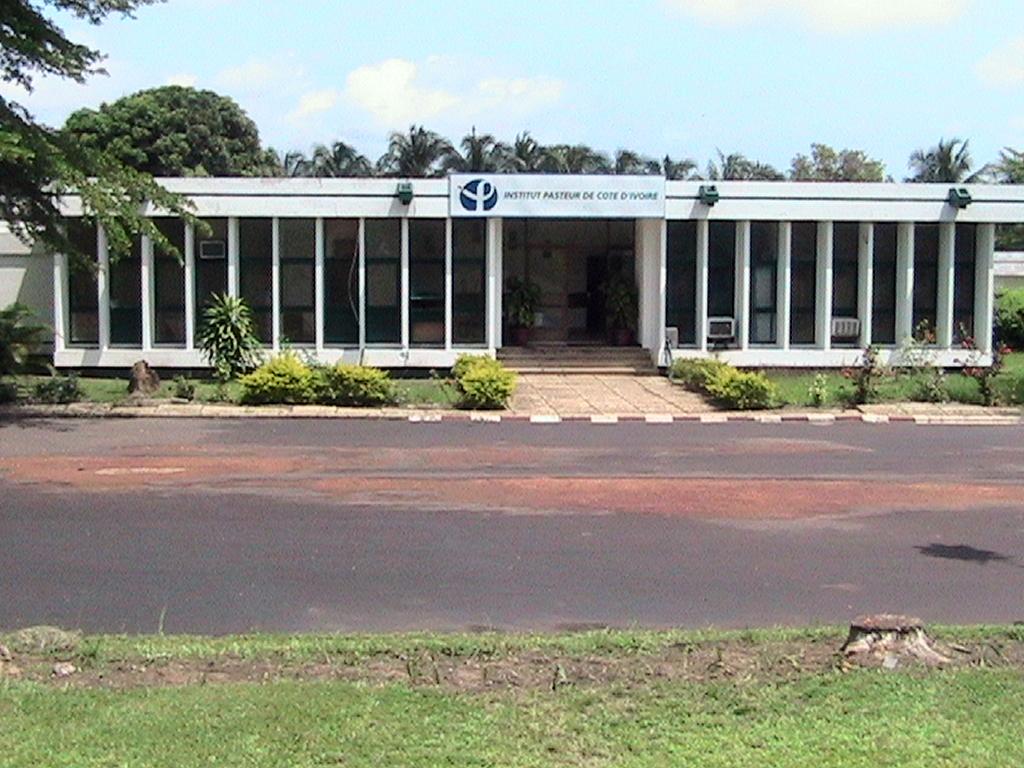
(226, 526)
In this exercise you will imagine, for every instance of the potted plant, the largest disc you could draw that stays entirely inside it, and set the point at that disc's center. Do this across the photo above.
(620, 302)
(521, 300)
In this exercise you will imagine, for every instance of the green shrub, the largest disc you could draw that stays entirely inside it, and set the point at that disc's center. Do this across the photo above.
(818, 390)
(358, 385)
(227, 337)
(742, 390)
(8, 392)
(695, 374)
(1010, 317)
(483, 383)
(1011, 388)
(283, 378)
(57, 389)
(19, 338)
(183, 389)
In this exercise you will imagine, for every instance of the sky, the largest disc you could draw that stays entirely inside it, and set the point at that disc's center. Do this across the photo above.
(683, 77)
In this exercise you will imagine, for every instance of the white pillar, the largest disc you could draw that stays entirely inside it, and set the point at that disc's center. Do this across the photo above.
(944, 301)
(362, 285)
(448, 283)
(494, 283)
(275, 283)
(784, 283)
(190, 286)
(147, 280)
(232, 256)
(60, 302)
(702, 285)
(904, 282)
(823, 286)
(103, 287)
(865, 281)
(660, 295)
(984, 286)
(318, 285)
(742, 308)
(405, 283)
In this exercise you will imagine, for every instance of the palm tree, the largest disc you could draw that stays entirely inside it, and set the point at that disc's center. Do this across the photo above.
(737, 166)
(948, 162)
(676, 170)
(525, 154)
(338, 160)
(480, 153)
(1010, 168)
(295, 164)
(574, 158)
(417, 153)
(629, 162)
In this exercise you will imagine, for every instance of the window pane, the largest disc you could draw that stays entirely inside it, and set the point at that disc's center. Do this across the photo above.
(298, 289)
(126, 297)
(681, 280)
(211, 265)
(883, 291)
(255, 281)
(83, 300)
(383, 281)
(721, 269)
(926, 278)
(426, 281)
(764, 260)
(341, 281)
(963, 277)
(845, 277)
(469, 281)
(803, 282)
(169, 284)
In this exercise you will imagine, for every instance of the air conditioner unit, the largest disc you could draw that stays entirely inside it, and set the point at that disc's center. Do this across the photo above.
(721, 328)
(672, 337)
(212, 249)
(845, 327)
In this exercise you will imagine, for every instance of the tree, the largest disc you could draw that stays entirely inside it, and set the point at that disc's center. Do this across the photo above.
(526, 154)
(39, 164)
(629, 162)
(174, 131)
(826, 164)
(737, 167)
(574, 158)
(417, 153)
(947, 162)
(676, 170)
(480, 153)
(1009, 170)
(338, 160)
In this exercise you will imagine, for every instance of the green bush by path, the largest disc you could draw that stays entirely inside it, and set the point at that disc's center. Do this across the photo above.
(483, 383)
(1010, 318)
(353, 385)
(57, 389)
(283, 379)
(726, 385)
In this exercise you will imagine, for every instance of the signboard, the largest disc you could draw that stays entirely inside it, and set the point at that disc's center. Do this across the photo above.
(556, 195)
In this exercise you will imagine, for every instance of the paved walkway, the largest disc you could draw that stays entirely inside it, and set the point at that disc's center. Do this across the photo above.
(576, 395)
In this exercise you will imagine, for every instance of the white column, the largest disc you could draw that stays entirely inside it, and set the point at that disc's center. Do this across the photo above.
(784, 283)
(405, 283)
(275, 283)
(639, 274)
(662, 286)
(318, 285)
(702, 285)
(865, 281)
(984, 286)
(447, 283)
(362, 285)
(944, 302)
(904, 282)
(103, 287)
(60, 280)
(147, 285)
(742, 304)
(494, 283)
(823, 286)
(232, 256)
(190, 286)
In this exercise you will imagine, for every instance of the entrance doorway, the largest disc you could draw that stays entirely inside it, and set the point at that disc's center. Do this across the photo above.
(572, 263)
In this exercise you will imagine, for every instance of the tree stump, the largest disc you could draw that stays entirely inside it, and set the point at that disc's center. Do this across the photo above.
(144, 381)
(886, 638)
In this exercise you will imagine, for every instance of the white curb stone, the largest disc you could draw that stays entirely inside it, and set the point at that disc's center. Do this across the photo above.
(545, 418)
(713, 418)
(658, 418)
(488, 418)
(604, 419)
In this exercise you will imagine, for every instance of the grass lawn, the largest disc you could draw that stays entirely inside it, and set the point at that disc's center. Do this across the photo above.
(771, 698)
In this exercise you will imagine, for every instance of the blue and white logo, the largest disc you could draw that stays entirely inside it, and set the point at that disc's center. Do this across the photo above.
(478, 195)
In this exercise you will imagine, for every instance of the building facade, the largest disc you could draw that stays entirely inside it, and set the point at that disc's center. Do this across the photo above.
(409, 273)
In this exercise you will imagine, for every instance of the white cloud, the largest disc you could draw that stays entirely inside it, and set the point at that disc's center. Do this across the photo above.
(1003, 67)
(398, 91)
(261, 75)
(314, 103)
(828, 15)
(183, 79)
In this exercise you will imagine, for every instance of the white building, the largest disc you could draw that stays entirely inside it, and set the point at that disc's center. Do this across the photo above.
(411, 272)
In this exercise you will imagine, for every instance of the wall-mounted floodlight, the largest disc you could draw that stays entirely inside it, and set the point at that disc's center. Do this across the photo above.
(959, 197)
(708, 195)
(404, 192)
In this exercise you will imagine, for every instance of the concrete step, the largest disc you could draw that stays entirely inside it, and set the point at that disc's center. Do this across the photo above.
(588, 360)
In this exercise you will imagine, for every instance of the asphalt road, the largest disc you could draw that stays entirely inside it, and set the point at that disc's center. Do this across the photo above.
(226, 526)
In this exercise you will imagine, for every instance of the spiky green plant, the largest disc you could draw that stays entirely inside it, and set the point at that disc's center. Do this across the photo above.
(227, 337)
(19, 338)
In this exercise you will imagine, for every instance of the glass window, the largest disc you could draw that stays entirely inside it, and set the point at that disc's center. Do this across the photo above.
(255, 278)
(883, 288)
(681, 280)
(298, 286)
(126, 297)
(383, 281)
(211, 264)
(469, 281)
(83, 299)
(845, 277)
(341, 281)
(963, 276)
(721, 269)
(926, 279)
(764, 264)
(803, 282)
(426, 281)
(169, 284)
